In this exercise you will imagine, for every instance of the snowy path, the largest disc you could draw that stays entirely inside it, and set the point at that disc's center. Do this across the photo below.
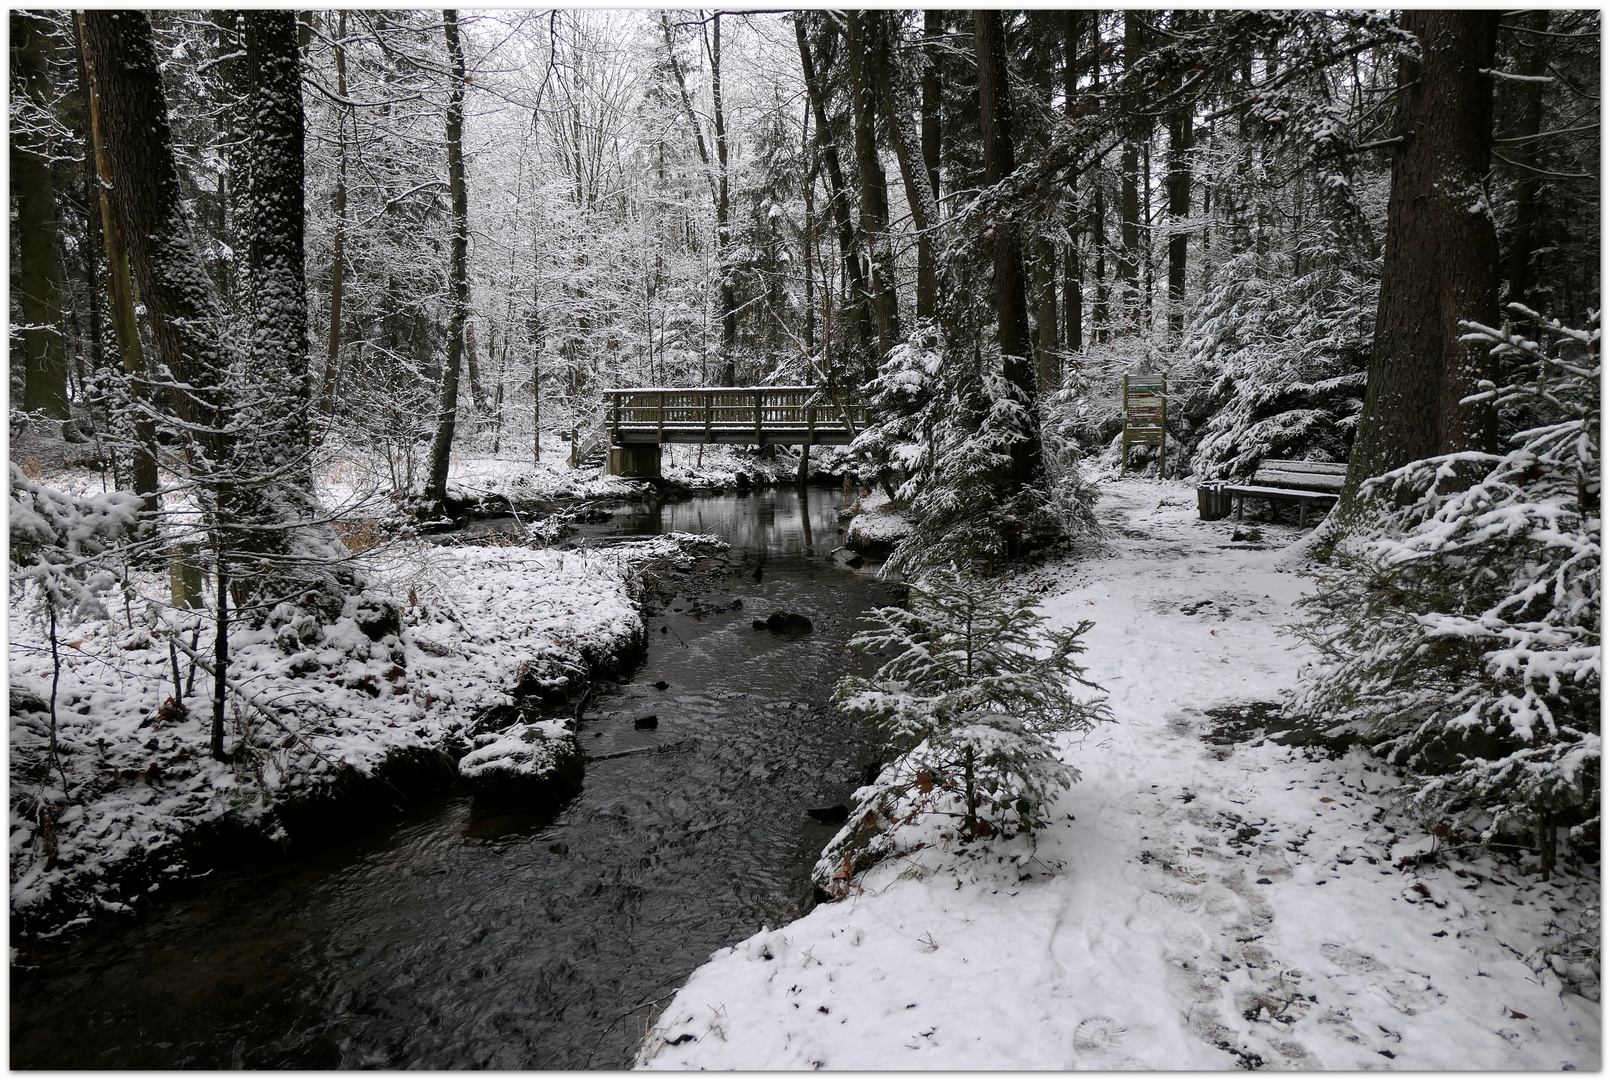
(1217, 904)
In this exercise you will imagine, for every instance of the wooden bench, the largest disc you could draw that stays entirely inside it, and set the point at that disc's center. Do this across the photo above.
(1305, 483)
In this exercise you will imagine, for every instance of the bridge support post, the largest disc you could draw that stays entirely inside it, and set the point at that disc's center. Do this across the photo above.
(638, 461)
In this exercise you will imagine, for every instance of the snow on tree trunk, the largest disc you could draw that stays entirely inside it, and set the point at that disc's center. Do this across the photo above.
(254, 500)
(458, 270)
(272, 225)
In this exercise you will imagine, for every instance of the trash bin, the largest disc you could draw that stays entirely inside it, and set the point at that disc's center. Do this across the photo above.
(1212, 501)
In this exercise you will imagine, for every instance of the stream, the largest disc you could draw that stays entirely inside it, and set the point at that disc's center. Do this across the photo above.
(449, 939)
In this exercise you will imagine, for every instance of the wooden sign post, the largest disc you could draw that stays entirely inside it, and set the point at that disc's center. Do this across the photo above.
(1145, 416)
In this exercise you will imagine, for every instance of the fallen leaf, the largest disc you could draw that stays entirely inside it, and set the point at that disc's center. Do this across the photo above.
(1513, 1015)
(1326, 799)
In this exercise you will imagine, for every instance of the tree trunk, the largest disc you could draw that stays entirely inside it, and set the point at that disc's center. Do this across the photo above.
(895, 102)
(1440, 263)
(1098, 229)
(810, 236)
(441, 449)
(120, 291)
(1533, 61)
(838, 192)
(862, 45)
(1179, 208)
(729, 300)
(132, 118)
(272, 225)
(933, 32)
(33, 192)
(1073, 300)
(251, 509)
(1129, 193)
(338, 255)
(1048, 364)
(1011, 304)
(477, 393)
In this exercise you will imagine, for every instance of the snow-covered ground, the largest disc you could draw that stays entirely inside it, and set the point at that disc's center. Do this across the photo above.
(471, 625)
(1198, 905)
(355, 478)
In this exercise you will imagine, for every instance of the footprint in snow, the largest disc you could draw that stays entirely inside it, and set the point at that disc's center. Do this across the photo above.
(1191, 871)
(1272, 863)
(1185, 938)
(1207, 1024)
(1408, 992)
(1098, 1033)
(1169, 901)
(1144, 803)
(1114, 824)
(1188, 981)
(1350, 959)
(1241, 792)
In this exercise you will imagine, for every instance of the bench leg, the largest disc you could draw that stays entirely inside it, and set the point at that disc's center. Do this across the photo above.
(1302, 515)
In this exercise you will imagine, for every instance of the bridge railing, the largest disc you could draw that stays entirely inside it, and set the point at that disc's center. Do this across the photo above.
(727, 409)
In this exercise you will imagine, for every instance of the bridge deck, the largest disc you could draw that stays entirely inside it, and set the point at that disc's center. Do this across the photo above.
(762, 415)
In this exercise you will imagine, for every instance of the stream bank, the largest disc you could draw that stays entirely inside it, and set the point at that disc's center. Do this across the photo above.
(456, 938)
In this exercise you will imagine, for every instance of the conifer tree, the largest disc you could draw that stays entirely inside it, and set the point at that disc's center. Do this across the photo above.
(973, 690)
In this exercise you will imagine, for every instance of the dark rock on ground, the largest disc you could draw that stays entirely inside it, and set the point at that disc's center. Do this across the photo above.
(646, 723)
(377, 616)
(560, 848)
(662, 685)
(830, 815)
(788, 622)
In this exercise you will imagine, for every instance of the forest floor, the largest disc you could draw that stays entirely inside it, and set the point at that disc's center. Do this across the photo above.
(1206, 898)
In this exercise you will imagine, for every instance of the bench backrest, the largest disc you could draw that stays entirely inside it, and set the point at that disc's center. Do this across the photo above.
(1305, 475)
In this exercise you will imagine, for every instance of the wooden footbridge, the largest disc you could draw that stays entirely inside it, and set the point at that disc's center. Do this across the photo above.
(637, 422)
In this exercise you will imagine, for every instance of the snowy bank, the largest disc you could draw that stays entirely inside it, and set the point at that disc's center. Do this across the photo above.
(876, 523)
(346, 721)
(1207, 897)
(494, 482)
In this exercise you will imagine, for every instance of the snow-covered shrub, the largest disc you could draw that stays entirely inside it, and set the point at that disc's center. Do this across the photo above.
(58, 539)
(1460, 634)
(1282, 337)
(1285, 354)
(950, 426)
(968, 699)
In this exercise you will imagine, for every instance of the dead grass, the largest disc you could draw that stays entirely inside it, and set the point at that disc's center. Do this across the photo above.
(360, 534)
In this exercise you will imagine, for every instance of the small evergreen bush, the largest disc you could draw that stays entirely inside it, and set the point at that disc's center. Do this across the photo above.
(1461, 634)
(972, 690)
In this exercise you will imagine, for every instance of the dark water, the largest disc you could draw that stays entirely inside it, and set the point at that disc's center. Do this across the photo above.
(446, 941)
